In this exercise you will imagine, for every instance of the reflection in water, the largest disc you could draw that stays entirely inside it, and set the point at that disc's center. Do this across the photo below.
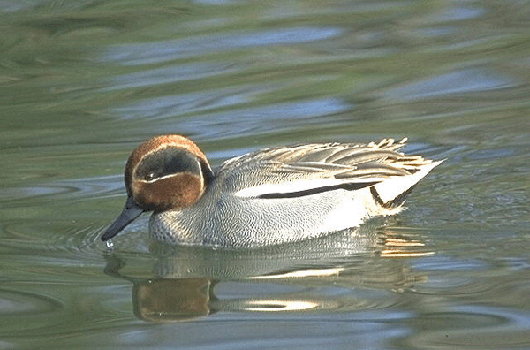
(189, 282)
(396, 245)
(166, 300)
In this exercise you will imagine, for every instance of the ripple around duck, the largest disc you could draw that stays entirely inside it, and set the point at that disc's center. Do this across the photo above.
(34, 307)
(17, 303)
(92, 187)
(473, 326)
(85, 188)
(52, 243)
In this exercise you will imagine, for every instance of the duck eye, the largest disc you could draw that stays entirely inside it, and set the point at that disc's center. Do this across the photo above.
(150, 175)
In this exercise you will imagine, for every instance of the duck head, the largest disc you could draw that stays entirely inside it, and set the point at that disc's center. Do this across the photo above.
(165, 172)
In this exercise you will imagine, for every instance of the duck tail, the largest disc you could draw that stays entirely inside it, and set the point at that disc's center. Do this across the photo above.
(392, 192)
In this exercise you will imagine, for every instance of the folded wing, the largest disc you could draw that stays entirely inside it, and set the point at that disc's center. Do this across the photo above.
(309, 169)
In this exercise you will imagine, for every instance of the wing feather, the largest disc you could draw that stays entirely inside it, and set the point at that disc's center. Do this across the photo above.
(315, 168)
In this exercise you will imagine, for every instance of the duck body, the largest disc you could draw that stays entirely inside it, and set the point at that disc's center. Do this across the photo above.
(267, 197)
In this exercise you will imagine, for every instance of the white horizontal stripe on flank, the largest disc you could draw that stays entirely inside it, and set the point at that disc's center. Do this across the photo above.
(298, 186)
(304, 273)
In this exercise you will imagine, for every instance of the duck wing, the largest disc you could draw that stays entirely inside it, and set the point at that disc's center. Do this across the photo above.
(307, 169)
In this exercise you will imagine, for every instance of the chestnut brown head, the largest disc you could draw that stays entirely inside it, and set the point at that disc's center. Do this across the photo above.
(165, 172)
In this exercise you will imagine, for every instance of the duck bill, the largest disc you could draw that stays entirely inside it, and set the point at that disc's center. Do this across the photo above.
(129, 213)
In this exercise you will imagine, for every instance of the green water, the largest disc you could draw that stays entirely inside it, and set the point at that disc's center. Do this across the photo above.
(83, 82)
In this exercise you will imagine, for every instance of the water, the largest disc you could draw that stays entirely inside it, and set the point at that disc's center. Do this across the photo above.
(83, 82)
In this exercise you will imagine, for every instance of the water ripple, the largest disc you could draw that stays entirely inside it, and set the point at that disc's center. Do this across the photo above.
(272, 118)
(85, 188)
(460, 13)
(473, 327)
(19, 303)
(468, 80)
(171, 74)
(157, 52)
(176, 105)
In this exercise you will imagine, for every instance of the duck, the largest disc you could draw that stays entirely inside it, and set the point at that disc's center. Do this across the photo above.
(267, 197)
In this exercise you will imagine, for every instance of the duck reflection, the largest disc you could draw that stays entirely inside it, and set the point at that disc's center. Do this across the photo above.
(172, 299)
(345, 271)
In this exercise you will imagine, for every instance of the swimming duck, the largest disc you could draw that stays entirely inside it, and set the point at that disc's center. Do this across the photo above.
(271, 196)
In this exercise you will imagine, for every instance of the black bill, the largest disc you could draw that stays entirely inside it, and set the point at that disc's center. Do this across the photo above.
(129, 213)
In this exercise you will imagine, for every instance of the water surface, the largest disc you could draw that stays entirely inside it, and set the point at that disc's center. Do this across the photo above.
(83, 82)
